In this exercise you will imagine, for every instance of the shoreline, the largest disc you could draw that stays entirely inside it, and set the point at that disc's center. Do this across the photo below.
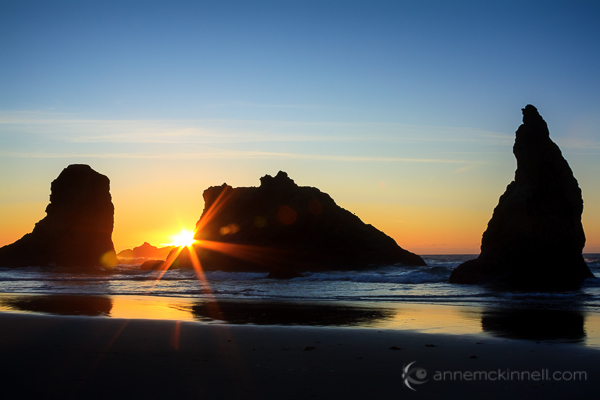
(96, 357)
(577, 326)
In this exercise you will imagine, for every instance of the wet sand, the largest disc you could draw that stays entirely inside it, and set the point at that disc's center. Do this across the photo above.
(51, 356)
(558, 325)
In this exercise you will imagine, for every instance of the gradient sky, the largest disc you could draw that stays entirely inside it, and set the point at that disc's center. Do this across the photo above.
(403, 111)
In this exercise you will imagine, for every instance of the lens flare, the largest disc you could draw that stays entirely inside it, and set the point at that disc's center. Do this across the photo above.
(185, 238)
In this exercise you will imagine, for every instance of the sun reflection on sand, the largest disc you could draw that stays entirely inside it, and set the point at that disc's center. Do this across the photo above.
(435, 318)
(426, 318)
(149, 307)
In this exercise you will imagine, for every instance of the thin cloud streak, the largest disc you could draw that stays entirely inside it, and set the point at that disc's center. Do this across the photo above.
(578, 143)
(70, 129)
(463, 169)
(263, 105)
(238, 155)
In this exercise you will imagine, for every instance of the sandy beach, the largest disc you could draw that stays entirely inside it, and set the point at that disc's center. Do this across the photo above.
(49, 356)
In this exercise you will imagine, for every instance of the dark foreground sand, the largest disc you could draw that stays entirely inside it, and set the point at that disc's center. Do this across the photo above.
(107, 358)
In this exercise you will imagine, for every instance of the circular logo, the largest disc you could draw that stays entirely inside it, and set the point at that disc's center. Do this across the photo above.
(413, 375)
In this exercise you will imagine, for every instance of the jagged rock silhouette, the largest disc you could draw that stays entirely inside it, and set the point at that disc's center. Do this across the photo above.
(535, 237)
(282, 226)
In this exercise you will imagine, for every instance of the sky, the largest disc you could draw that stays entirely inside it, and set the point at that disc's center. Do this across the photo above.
(403, 111)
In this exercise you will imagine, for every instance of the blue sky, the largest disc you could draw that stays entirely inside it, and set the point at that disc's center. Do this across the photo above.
(398, 107)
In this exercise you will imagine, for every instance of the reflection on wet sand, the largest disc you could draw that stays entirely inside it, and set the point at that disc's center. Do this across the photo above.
(535, 324)
(575, 326)
(289, 313)
(60, 304)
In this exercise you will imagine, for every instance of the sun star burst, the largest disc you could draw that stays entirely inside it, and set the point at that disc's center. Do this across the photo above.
(185, 238)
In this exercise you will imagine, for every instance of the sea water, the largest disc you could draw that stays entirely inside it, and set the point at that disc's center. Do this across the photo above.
(386, 297)
(389, 284)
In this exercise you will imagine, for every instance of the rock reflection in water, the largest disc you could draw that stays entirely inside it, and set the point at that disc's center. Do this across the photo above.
(61, 304)
(288, 313)
(535, 324)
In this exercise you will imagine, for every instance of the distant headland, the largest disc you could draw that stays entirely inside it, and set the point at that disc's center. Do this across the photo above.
(145, 251)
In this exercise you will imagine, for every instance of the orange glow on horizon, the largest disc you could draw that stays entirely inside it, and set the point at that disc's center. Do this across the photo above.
(187, 239)
(258, 255)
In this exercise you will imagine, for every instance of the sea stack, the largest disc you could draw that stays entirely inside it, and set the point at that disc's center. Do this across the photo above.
(535, 238)
(77, 229)
(146, 250)
(283, 228)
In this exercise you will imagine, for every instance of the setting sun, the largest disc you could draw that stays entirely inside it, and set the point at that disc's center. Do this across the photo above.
(185, 238)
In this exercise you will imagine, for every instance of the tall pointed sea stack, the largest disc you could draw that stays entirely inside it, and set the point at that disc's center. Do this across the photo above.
(77, 229)
(535, 237)
(284, 228)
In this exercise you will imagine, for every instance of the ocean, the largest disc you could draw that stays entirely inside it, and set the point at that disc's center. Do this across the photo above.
(394, 297)
(389, 284)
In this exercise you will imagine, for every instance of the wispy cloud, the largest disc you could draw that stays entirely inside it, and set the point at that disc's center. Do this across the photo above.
(462, 169)
(578, 143)
(67, 128)
(224, 154)
(263, 105)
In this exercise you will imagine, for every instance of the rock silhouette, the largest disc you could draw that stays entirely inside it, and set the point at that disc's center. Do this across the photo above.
(152, 264)
(290, 313)
(146, 250)
(535, 324)
(77, 229)
(535, 237)
(282, 228)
